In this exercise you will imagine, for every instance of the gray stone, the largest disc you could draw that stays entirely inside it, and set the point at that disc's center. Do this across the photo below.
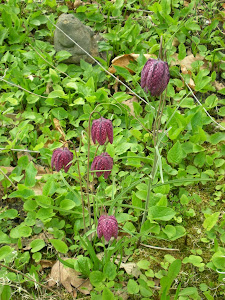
(80, 33)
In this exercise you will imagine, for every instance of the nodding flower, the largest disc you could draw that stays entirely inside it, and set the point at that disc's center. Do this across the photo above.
(107, 227)
(102, 162)
(155, 76)
(101, 129)
(61, 158)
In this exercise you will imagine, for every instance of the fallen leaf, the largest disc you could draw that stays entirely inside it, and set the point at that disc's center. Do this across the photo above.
(59, 128)
(129, 103)
(187, 61)
(125, 59)
(46, 263)
(218, 85)
(69, 278)
(131, 269)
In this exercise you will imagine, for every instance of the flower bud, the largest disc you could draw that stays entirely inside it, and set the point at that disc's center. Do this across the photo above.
(61, 158)
(107, 227)
(102, 162)
(101, 129)
(155, 76)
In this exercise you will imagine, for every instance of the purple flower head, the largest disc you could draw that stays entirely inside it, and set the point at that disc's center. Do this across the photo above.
(107, 227)
(101, 129)
(61, 158)
(155, 76)
(102, 162)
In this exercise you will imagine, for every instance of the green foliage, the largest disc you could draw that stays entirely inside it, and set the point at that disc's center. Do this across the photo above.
(187, 190)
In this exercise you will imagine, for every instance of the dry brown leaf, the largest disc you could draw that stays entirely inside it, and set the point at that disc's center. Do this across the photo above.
(122, 294)
(129, 103)
(131, 269)
(125, 59)
(186, 3)
(46, 263)
(69, 278)
(59, 128)
(77, 3)
(38, 188)
(187, 61)
(218, 85)
(175, 42)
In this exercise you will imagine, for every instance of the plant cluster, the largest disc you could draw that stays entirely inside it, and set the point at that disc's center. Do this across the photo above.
(136, 201)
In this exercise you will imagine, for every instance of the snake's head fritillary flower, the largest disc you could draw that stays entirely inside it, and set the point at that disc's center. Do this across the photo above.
(107, 227)
(155, 76)
(61, 158)
(101, 129)
(102, 162)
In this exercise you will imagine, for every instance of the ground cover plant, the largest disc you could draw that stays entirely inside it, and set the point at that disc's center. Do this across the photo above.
(112, 173)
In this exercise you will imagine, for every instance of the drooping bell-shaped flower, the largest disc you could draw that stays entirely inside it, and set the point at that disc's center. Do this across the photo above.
(101, 129)
(155, 76)
(61, 158)
(102, 162)
(107, 227)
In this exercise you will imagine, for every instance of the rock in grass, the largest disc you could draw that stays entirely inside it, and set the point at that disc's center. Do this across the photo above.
(80, 33)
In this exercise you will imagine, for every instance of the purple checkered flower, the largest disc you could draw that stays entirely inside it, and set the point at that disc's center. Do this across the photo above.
(155, 76)
(102, 162)
(101, 129)
(107, 227)
(61, 158)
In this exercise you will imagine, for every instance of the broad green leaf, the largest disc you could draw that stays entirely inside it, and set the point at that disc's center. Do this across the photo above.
(67, 204)
(211, 221)
(96, 278)
(182, 51)
(62, 55)
(20, 231)
(5, 251)
(175, 154)
(31, 172)
(161, 213)
(60, 113)
(37, 245)
(132, 287)
(107, 294)
(59, 245)
(143, 264)
(6, 292)
(109, 270)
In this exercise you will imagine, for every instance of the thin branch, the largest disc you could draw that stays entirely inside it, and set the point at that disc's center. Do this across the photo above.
(14, 186)
(22, 150)
(49, 62)
(30, 279)
(201, 104)
(20, 87)
(159, 248)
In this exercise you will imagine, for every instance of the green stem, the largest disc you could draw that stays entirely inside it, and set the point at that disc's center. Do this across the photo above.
(81, 191)
(88, 163)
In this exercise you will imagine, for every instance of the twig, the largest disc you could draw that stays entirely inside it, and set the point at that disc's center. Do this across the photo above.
(30, 279)
(14, 186)
(20, 87)
(48, 62)
(24, 150)
(159, 248)
(201, 104)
